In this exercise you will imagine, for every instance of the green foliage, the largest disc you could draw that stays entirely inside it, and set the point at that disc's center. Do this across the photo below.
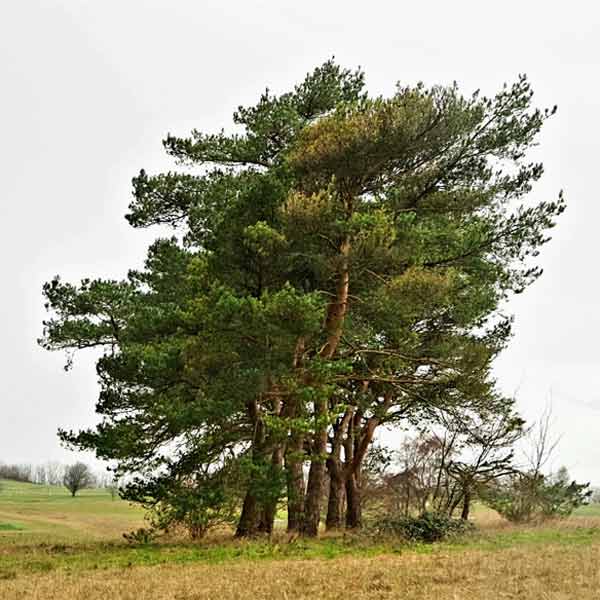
(193, 510)
(428, 527)
(336, 250)
(141, 536)
(527, 497)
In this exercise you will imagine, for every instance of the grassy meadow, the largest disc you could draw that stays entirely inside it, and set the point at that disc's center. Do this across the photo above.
(55, 546)
(38, 514)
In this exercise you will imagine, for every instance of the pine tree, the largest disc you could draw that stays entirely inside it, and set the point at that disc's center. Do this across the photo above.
(343, 264)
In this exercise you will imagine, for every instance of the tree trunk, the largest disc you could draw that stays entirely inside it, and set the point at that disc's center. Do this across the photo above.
(248, 523)
(337, 471)
(267, 519)
(336, 312)
(269, 509)
(294, 456)
(249, 519)
(454, 506)
(334, 325)
(295, 493)
(356, 446)
(353, 503)
(314, 490)
(464, 515)
(336, 497)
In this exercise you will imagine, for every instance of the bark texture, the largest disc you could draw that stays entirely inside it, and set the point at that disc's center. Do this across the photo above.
(334, 325)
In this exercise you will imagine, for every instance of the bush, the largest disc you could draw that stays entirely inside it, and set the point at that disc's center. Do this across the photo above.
(191, 511)
(141, 536)
(525, 497)
(428, 527)
(192, 508)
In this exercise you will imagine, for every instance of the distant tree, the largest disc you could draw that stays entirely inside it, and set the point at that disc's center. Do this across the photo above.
(40, 475)
(443, 468)
(77, 477)
(21, 473)
(112, 485)
(54, 473)
(26, 472)
(529, 494)
(422, 460)
(525, 497)
(540, 443)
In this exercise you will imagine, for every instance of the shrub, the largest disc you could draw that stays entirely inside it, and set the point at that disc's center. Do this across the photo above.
(428, 527)
(527, 497)
(189, 505)
(140, 536)
(192, 509)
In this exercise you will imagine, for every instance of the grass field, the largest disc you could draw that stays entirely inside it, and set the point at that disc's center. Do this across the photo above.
(55, 546)
(43, 514)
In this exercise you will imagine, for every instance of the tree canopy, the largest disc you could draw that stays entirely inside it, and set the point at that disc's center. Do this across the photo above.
(77, 477)
(339, 262)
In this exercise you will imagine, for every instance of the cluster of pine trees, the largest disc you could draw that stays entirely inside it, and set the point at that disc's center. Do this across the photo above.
(339, 264)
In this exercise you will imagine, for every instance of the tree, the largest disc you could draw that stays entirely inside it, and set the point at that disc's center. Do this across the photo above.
(77, 477)
(452, 457)
(487, 454)
(529, 494)
(39, 475)
(111, 483)
(342, 264)
(54, 473)
(525, 496)
(23, 472)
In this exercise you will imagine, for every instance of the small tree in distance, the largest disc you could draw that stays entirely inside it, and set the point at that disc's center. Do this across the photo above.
(77, 477)
(113, 487)
(531, 495)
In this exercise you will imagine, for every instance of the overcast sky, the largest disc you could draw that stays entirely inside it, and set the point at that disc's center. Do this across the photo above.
(89, 88)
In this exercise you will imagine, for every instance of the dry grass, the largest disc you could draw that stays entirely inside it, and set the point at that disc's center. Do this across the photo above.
(53, 547)
(543, 572)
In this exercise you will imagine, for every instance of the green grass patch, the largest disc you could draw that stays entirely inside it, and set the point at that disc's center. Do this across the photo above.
(48, 514)
(46, 557)
(44, 529)
(589, 510)
(10, 527)
(43, 557)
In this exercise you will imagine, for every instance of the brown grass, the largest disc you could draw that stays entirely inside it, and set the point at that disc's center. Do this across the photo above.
(61, 554)
(544, 572)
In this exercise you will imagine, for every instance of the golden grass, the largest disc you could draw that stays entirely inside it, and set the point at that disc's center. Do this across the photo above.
(61, 553)
(541, 573)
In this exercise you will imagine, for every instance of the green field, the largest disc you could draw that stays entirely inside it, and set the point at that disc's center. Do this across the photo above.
(45, 514)
(55, 546)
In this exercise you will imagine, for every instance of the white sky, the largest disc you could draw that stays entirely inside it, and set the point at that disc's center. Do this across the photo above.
(90, 88)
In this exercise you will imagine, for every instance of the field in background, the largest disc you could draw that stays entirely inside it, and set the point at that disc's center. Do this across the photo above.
(55, 546)
(31, 513)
